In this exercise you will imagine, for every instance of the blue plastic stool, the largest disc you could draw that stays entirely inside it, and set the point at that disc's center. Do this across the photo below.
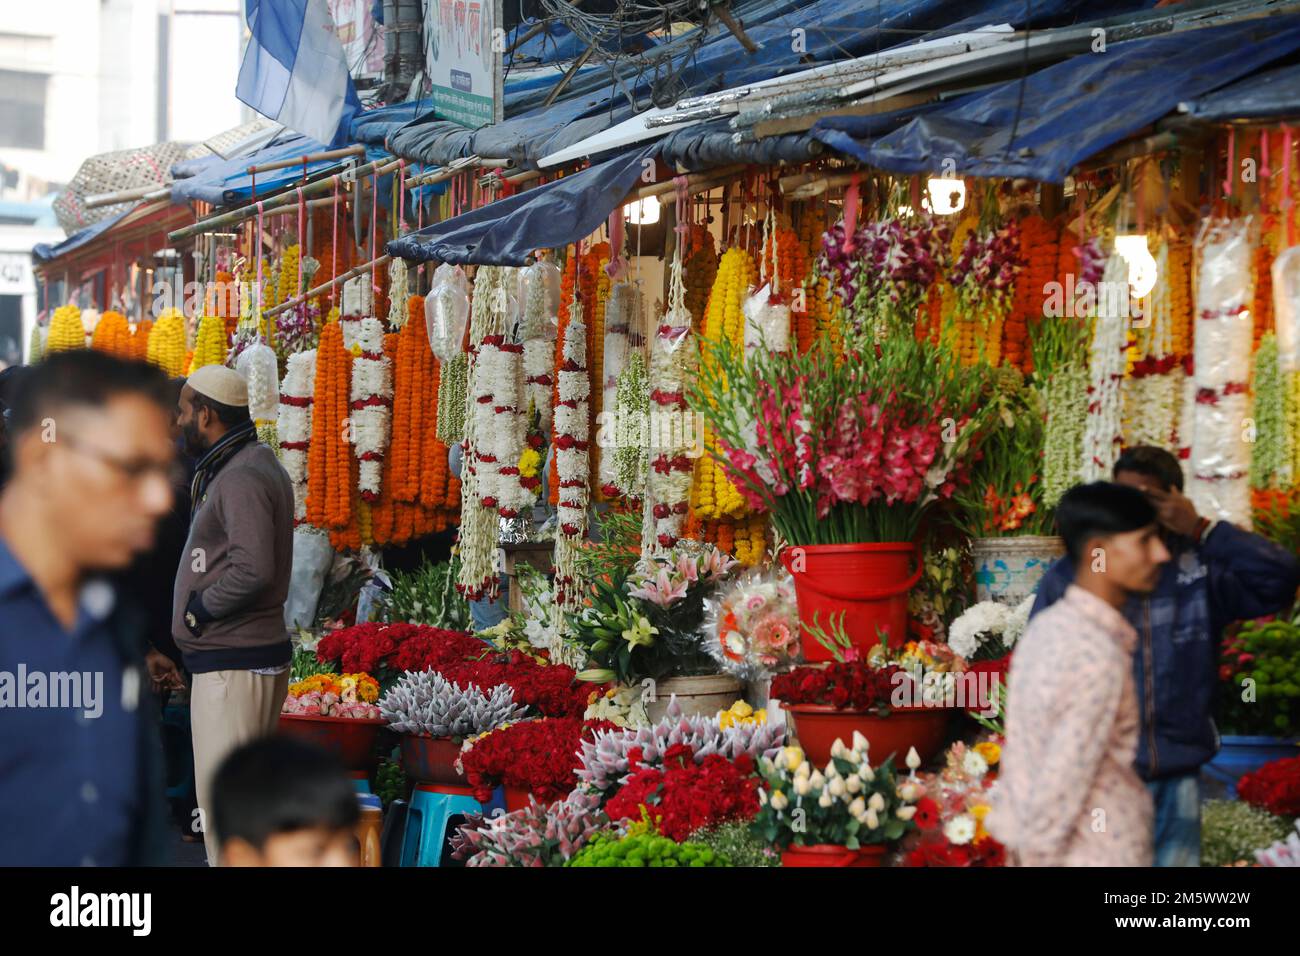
(360, 781)
(432, 807)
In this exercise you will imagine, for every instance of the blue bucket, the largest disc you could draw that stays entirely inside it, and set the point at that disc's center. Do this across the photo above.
(1242, 755)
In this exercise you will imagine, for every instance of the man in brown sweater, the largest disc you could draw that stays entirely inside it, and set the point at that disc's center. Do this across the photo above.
(231, 585)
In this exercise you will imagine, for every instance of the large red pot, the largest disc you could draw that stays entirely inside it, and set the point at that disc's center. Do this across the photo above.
(818, 725)
(864, 586)
(832, 854)
(430, 759)
(351, 739)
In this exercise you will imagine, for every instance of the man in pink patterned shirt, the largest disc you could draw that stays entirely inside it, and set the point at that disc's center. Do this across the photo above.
(1069, 794)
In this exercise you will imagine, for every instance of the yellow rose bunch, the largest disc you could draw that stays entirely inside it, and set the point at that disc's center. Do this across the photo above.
(210, 346)
(741, 714)
(166, 346)
(66, 330)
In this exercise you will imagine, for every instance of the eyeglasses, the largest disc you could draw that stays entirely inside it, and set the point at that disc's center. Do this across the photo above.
(134, 470)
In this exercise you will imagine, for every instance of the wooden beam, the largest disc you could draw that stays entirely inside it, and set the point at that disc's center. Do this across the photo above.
(723, 12)
(569, 74)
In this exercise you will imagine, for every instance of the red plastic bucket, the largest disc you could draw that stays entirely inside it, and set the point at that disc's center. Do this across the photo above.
(430, 759)
(864, 584)
(830, 854)
(351, 739)
(818, 726)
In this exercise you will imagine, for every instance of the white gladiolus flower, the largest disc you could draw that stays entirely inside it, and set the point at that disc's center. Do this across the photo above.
(831, 771)
(960, 829)
(779, 801)
(803, 769)
(838, 787)
(876, 802)
(866, 773)
(837, 748)
(905, 813)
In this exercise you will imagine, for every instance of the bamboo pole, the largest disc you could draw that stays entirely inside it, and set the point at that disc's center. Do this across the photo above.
(352, 273)
(343, 153)
(152, 191)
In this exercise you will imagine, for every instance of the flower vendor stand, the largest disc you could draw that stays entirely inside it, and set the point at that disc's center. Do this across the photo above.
(864, 588)
(896, 731)
(351, 739)
(1007, 570)
(704, 695)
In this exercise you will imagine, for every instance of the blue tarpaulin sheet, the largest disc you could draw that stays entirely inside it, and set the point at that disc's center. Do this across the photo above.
(509, 230)
(1041, 127)
(827, 30)
(45, 251)
(1273, 94)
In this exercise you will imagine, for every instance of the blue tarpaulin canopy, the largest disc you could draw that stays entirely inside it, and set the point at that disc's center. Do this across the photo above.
(1273, 94)
(509, 230)
(45, 251)
(1042, 126)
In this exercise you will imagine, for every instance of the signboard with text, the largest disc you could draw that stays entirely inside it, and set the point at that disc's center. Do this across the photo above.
(463, 44)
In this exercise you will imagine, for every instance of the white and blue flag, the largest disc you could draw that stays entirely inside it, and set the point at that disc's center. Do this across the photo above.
(294, 70)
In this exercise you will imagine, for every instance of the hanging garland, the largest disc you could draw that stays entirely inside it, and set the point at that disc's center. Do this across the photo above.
(329, 458)
(66, 330)
(294, 424)
(210, 345)
(371, 406)
(632, 426)
(1102, 435)
(1151, 391)
(572, 443)
(112, 335)
(1270, 465)
(166, 345)
(621, 314)
(701, 269)
(1039, 251)
(672, 368)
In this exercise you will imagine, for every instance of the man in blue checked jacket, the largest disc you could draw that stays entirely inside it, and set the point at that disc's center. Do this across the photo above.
(1218, 574)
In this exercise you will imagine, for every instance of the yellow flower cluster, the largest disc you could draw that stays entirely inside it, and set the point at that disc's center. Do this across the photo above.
(112, 335)
(751, 539)
(530, 463)
(741, 714)
(288, 286)
(365, 522)
(1291, 403)
(712, 493)
(66, 330)
(166, 347)
(210, 346)
(1180, 297)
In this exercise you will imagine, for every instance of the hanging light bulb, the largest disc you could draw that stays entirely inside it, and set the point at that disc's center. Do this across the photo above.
(947, 196)
(1132, 248)
(643, 212)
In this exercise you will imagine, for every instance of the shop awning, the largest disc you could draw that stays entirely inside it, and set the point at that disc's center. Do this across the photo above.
(1271, 95)
(509, 230)
(1042, 126)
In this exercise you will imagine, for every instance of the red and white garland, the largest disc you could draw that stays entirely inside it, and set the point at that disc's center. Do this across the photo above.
(1221, 450)
(572, 458)
(293, 424)
(1102, 433)
(501, 427)
(1152, 392)
(622, 314)
(479, 524)
(371, 408)
(358, 302)
(672, 364)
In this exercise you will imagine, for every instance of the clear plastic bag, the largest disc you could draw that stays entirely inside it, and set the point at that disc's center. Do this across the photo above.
(260, 369)
(446, 313)
(312, 557)
(540, 294)
(767, 322)
(751, 624)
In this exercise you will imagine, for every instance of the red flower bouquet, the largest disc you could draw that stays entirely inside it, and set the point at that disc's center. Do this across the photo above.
(386, 650)
(687, 796)
(856, 685)
(1274, 787)
(987, 852)
(551, 690)
(540, 756)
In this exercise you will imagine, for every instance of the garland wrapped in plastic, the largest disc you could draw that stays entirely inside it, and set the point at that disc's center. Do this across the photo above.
(572, 445)
(631, 458)
(622, 314)
(294, 424)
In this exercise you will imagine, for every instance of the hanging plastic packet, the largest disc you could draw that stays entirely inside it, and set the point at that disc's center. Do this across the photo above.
(446, 311)
(260, 369)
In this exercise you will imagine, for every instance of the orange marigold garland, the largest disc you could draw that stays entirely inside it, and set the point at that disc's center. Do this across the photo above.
(1039, 240)
(112, 335)
(330, 460)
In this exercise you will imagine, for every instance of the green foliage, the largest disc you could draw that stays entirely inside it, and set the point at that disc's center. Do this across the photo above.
(428, 595)
(1261, 694)
(735, 843)
(615, 548)
(1232, 831)
(390, 782)
(305, 665)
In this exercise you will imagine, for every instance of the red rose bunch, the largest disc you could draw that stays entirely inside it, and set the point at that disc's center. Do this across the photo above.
(552, 690)
(854, 684)
(1274, 787)
(687, 796)
(382, 649)
(540, 756)
(987, 852)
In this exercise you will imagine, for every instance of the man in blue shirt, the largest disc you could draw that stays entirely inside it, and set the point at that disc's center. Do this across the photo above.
(80, 764)
(1218, 574)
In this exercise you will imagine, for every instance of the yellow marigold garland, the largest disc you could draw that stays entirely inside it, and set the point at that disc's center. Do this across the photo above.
(66, 330)
(166, 345)
(210, 346)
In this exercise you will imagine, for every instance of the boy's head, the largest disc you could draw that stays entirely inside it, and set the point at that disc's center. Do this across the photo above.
(280, 802)
(1145, 466)
(1110, 530)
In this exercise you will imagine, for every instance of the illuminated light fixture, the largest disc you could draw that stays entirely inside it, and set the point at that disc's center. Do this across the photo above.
(947, 196)
(643, 212)
(1132, 248)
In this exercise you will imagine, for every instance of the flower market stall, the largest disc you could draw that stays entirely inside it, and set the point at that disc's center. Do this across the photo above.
(794, 461)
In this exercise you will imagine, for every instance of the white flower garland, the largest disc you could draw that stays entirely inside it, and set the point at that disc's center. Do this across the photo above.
(1222, 344)
(371, 410)
(1151, 393)
(502, 425)
(622, 314)
(293, 424)
(358, 302)
(479, 526)
(672, 449)
(1102, 431)
(572, 461)
(397, 293)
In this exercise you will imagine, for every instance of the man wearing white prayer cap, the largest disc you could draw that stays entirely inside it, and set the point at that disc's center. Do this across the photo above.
(233, 579)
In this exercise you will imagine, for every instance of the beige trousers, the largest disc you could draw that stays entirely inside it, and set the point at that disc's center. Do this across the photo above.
(228, 709)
